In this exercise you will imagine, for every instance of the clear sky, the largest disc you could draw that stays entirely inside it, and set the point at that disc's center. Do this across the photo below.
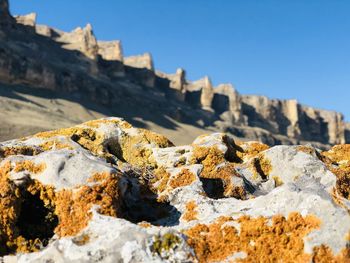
(288, 49)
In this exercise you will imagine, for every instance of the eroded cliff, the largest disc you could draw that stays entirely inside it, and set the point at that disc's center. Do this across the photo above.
(36, 60)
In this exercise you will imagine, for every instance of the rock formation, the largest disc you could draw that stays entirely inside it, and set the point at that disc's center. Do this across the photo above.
(140, 61)
(104, 191)
(110, 50)
(75, 65)
(27, 20)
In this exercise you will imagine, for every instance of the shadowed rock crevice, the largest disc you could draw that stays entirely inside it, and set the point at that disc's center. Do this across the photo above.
(140, 204)
(36, 221)
(214, 188)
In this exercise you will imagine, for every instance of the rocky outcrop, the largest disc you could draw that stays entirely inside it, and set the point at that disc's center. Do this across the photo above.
(108, 192)
(141, 61)
(200, 93)
(347, 132)
(174, 84)
(110, 50)
(227, 101)
(37, 57)
(80, 39)
(27, 20)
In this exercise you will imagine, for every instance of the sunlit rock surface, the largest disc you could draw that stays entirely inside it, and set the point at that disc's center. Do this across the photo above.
(104, 191)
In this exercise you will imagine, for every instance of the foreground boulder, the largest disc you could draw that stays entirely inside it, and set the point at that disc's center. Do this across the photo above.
(104, 191)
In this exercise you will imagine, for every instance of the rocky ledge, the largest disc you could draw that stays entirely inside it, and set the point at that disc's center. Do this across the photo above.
(104, 191)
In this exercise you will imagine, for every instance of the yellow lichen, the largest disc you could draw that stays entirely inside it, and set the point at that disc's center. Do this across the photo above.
(55, 145)
(97, 123)
(136, 149)
(86, 137)
(209, 157)
(165, 243)
(278, 181)
(261, 166)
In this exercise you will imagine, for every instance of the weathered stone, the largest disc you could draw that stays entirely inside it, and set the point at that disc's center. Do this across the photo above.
(106, 191)
(200, 92)
(81, 39)
(43, 30)
(176, 83)
(27, 20)
(110, 50)
(141, 61)
(227, 99)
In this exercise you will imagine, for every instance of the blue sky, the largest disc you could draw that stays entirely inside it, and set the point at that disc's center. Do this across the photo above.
(284, 49)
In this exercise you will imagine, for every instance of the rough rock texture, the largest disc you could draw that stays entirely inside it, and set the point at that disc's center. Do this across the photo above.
(104, 191)
(48, 63)
(110, 50)
(140, 61)
(27, 20)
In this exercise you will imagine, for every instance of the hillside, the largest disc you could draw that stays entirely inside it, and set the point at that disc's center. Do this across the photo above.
(51, 79)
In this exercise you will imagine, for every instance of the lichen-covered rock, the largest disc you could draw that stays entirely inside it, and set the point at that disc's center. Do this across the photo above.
(104, 191)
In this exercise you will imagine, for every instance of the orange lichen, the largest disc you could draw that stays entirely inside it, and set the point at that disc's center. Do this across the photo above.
(282, 240)
(306, 149)
(144, 224)
(185, 177)
(18, 150)
(11, 202)
(73, 208)
(29, 166)
(159, 182)
(209, 157)
(81, 240)
(247, 150)
(225, 173)
(323, 254)
(55, 145)
(70, 208)
(191, 211)
(215, 166)
(9, 209)
(338, 161)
